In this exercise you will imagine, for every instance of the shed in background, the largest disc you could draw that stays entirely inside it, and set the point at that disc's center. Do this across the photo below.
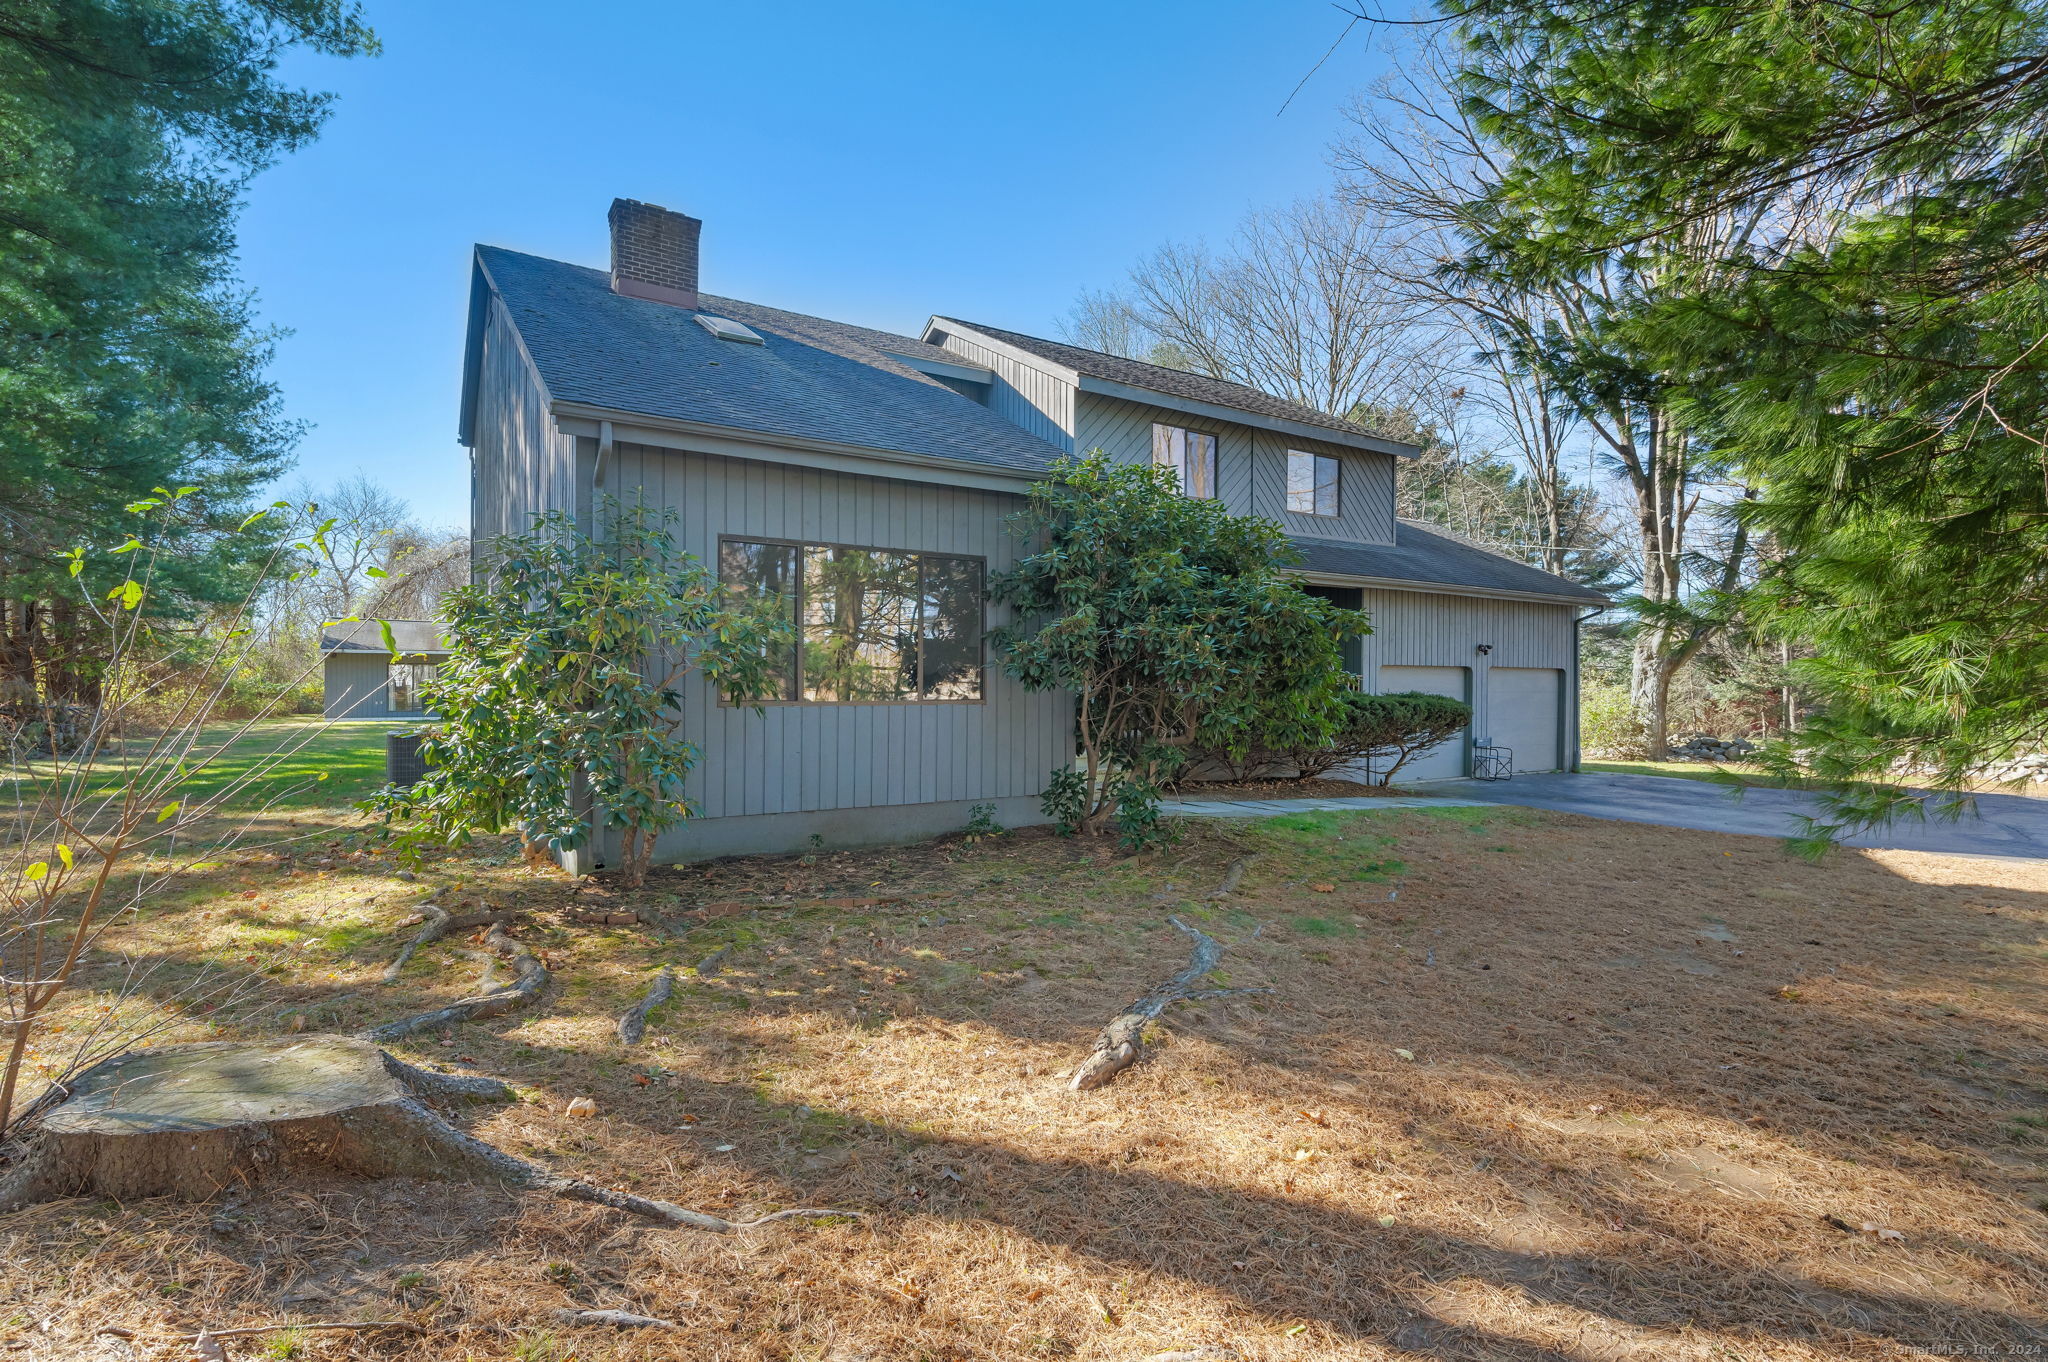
(362, 679)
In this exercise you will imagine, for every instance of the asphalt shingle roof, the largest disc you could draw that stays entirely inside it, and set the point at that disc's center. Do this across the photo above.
(1173, 382)
(1426, 555)
(812, 379)
(366, 636)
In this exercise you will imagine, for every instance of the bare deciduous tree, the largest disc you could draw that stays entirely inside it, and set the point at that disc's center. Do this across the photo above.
(372, 560)
(1551, 368)
(1298, 305)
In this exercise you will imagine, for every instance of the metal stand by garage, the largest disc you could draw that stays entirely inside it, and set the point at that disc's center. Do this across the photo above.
(1491, 761)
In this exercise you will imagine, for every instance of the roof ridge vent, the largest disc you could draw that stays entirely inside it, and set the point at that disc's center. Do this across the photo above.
(727, 329)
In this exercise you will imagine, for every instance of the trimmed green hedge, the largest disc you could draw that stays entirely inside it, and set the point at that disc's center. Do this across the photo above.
(1387, 731)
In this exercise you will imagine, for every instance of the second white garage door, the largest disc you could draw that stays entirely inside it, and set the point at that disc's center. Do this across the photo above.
(1522, 712)
(1448, 760)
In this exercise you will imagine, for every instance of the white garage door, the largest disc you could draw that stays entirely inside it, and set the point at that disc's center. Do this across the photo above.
(1522, 709)
(1445, 761)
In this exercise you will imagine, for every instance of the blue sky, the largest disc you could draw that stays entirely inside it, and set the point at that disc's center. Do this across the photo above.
(872, 163)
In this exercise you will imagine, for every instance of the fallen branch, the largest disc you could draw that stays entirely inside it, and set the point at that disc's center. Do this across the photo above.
(633, 1026)
(618, 1319)
(1120, 1043)
(1232, 878)
(529, 977)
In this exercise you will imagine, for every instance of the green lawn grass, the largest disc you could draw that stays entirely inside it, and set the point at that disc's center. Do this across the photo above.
(349, 755)
(308, 762)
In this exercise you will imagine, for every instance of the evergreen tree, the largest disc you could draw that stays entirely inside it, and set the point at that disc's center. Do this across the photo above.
(1845, 212)
(128, 359)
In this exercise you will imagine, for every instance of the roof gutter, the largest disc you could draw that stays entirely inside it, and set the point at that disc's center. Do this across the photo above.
(1439, 588)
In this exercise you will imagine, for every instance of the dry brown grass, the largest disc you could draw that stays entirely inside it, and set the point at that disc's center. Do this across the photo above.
(1660, 1081)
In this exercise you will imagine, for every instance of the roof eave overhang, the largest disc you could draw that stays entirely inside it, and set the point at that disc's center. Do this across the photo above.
(938, 368)
(1443, 588)
(473, 348)
(1216, 411)
(582, 418)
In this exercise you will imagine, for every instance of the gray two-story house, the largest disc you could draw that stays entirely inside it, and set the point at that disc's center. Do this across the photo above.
(861, 481)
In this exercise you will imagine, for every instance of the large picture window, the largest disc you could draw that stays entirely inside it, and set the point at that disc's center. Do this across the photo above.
(402, 686)
(870, 624)
(1312, 483)
(1191, 454)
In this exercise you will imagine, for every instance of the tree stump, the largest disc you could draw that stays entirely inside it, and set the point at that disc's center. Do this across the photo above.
(188, 1121)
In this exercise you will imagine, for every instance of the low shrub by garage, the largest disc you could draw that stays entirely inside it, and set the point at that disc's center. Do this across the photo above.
(1382, 733)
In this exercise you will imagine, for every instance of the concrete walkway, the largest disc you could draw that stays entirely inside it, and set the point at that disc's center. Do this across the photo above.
(2009, 827)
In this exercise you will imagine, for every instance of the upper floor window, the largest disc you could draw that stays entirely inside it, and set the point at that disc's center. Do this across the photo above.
(870, 624)
(1312, 483)
(1191, 454)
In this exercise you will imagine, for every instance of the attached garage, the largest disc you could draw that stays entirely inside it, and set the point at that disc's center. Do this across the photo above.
(1449, 760)
(1525, 711)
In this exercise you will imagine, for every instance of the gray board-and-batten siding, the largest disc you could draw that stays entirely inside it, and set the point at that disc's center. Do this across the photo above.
(853, 772)
(879, 772)
(357, 686)
(1251, 467)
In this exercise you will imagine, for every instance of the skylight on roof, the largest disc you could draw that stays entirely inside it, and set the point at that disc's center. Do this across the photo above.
(726, 329)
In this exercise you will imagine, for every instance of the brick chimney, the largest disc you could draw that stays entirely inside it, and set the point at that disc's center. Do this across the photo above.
(654, 253)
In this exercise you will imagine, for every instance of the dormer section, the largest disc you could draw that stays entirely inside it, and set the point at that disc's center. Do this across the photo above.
(1027, 389)
(1319, 476)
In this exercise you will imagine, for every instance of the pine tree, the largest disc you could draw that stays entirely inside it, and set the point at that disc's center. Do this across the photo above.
(128, 355)
(1863, 336)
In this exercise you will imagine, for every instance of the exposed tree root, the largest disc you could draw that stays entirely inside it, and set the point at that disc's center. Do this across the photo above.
(1121, 1042)
(633, 1026)
(529, 977)
(192, 1120)
(434, 927)
(462, 1150)
(438, 922)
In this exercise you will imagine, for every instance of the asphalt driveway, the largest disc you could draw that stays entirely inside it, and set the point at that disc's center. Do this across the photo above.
(2010, 826)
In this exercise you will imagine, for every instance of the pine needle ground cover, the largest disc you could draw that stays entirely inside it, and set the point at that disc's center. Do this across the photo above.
(1525, 1086)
